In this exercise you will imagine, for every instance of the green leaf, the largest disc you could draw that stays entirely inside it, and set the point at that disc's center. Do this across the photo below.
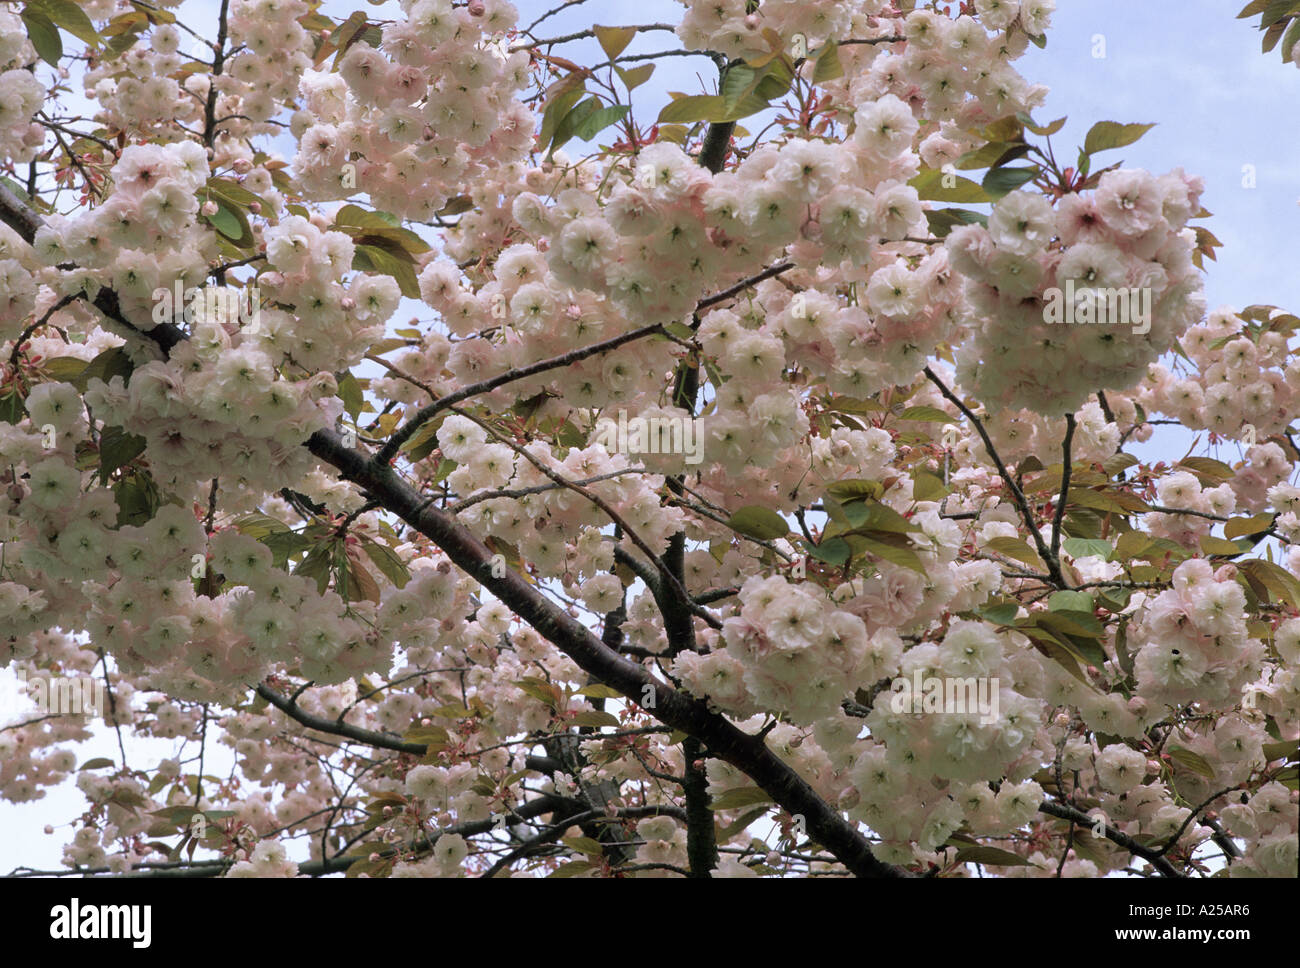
(1071, 601)
(635, 77)
(1192, 761)
(317, 565)
(584, 845)
(832, 551)
(423, 442)
(1281, 584)
(992, 155)
(567, 125)
(740, 797)
(1282, 750)
(1105, 135)
(351, 579)
(284, 545)
(943, 220)
(1043, 131)
(571, 869)
(1290, 39)
(230, 222)
(928, 414)
(355, 217)
(1076, 625)
(1087, 547)
(70, 17)
(693, 108)
(388, 562)
(1218, 546)
(137, 499)
(117, 448)
(44, 36)
(1277, 11)
(614, 40)
(108, 364)
(874, 516)
(372, 258)
(828, 65)
(562, 99)
(119, 44)
(1003, 181)
(755, 521)
(540, 689)
(883, 548)
(931, 185)
(1002, 614)
(598, 120)
(98, 763)
(853, 489)
(351, 395)
(1239, 527)
(1208, 471)
(155, 14)
(928, 487)
(231, 191)
(63, 369)
(1015, 548)
(1077, 632)
(595, 718)
(991, 857)
(723, 834)
(259, 526)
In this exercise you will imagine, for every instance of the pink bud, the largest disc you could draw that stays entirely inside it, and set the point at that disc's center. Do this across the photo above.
(476, 8)
(49, 829)
(255, 208)
(773, 859)
(1153, 767)
(751, 21)
(348, 303)
(209, 209)
(373, 858)
(444, 819)
(243, 166)
(1137, 706)
(426, 721)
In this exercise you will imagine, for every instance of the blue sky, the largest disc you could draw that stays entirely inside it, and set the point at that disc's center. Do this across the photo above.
(1187, 65)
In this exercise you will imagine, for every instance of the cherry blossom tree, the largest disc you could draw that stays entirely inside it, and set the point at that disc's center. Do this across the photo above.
(736, 503)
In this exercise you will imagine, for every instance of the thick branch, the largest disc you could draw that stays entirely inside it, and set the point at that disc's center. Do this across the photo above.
(692, 716)
(1152, 856)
